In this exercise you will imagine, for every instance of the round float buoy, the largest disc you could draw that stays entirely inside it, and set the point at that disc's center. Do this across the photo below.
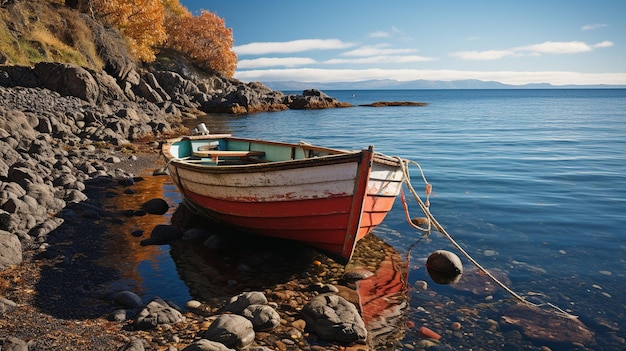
(444, 267)
(420, 221)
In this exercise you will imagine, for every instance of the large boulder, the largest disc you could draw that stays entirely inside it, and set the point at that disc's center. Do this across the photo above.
(67, 79)
(72, 80)
(334, 318)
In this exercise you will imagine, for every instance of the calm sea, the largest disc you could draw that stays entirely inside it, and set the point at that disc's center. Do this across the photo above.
(531, 183)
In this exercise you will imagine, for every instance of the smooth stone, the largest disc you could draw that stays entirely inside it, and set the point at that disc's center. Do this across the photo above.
(333, 318)
(263, 317)
(127, 299)
(242, 301)
(156, 206)
(157, 312)
(231, 330)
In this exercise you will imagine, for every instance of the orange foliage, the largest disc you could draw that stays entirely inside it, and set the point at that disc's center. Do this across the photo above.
(147, 24)
(204, 39)
(174, 8)
(142, 22)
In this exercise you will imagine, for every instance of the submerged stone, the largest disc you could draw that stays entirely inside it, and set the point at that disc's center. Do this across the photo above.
(545, 326)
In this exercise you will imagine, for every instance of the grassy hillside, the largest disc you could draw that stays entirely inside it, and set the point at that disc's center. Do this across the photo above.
(46, 31)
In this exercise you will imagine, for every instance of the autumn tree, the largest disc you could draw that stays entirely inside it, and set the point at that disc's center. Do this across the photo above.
(148, 24)
(204, 39)
(141, 22)
(173, 8)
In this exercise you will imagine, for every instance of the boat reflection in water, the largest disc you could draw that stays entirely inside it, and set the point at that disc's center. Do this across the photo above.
(219, 263)
(223, 263)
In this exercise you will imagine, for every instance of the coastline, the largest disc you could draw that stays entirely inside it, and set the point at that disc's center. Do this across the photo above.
(62, 285)
(63, 158)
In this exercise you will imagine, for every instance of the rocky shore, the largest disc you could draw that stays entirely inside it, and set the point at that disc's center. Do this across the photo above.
(68, 137)
(56, 118)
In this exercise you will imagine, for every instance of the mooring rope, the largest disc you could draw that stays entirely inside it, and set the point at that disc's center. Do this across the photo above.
(424, 206)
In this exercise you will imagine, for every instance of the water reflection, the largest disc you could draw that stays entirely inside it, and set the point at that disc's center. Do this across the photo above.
(146, 270)
(224, 263)
(219, 263)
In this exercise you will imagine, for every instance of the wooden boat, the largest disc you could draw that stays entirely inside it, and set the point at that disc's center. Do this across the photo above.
(326, 198)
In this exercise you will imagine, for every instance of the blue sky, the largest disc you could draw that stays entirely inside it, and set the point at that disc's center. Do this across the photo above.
(513, 42)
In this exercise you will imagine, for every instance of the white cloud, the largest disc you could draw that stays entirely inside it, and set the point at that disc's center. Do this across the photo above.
(275, 62)
(604, 44)
(483, 55)
(593, 26)
(507, 77)
(377, 50)
(548, 47)
(380, 59)
(385, 34)
(556, 47)
(263, 48)
(380, 34)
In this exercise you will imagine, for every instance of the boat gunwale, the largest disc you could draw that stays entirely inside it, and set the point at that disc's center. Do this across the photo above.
(338, 156)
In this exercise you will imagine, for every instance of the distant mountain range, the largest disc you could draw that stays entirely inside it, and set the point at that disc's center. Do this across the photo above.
(389, 84)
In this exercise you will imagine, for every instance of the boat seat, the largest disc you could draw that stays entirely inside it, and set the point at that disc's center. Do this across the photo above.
(216, 154)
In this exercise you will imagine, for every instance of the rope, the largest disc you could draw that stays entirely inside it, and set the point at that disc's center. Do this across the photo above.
(424, 206)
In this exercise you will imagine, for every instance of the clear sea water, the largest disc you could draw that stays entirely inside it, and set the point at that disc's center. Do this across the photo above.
(529, 182)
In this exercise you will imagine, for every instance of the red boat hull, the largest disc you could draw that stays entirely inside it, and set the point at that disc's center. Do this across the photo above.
(328, 202)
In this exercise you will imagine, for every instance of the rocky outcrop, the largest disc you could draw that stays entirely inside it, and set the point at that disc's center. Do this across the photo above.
(313, 99)
(165, 90)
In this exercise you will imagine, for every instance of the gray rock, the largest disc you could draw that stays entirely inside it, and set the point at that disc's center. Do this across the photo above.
(207, 345)
(156, 312)
(118, 315)
(44, 228)
(10, 250)
(14, 344)
(74, 196)
(263, 317)
(67, 79)
(23, 176)
(356, 274)
(333, 318)
(4, 168)
(242, 301)
(156, 206)
(128, 299)
(149, 92)
(193, 304)
(6, 305)
(113, 159)
(231, 330)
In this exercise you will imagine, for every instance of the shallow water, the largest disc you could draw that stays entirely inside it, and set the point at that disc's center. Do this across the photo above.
(531, 183)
